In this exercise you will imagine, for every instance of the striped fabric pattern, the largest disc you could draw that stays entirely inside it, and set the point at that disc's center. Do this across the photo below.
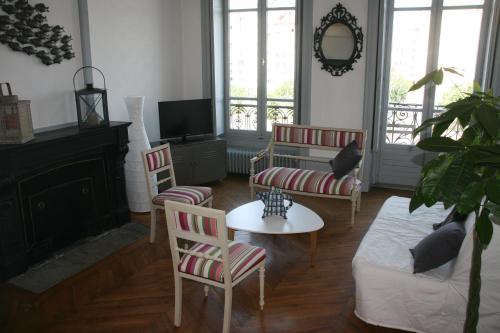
(242, 258)
(311, 181)
(319, 137)
(195, 223)
(157, 159)
(186, 194)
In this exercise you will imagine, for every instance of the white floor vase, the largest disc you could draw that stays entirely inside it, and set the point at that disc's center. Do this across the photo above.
(137, 190)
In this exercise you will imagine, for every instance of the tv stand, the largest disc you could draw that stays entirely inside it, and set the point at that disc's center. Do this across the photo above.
(198, 161)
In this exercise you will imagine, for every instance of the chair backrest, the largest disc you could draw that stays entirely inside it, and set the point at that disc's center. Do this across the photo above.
(158, 160)
(201, 225)
(317, 137)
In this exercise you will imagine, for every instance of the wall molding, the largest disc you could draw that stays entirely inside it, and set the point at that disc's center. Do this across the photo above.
(83, 14)
(305, 50)
(373, 53)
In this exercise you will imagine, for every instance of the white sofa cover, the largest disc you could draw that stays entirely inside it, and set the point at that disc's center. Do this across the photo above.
(389, 294)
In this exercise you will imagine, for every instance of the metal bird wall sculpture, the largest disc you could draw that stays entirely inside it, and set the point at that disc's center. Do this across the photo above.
(24, 28)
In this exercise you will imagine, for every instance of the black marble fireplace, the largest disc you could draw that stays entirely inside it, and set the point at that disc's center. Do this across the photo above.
(63, 186)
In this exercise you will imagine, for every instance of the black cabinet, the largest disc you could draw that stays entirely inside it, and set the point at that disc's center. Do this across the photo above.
(199, 162)
(63, 186)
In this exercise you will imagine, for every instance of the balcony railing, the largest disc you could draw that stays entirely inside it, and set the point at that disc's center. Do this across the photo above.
(243, 117)
(281, 114)
(404, 118)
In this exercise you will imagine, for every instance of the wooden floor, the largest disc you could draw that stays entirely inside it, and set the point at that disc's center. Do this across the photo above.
(133, 290)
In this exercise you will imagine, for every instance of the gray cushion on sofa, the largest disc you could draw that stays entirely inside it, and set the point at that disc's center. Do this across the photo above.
(438, 247)
(346, 160)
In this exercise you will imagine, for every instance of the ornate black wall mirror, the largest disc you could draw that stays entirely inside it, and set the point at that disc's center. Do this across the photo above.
(338, 41)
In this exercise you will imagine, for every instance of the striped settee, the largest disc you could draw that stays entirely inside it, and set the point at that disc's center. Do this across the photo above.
(310, 182)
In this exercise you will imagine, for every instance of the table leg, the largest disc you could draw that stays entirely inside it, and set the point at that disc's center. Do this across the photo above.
(313, 239)
(230, 234)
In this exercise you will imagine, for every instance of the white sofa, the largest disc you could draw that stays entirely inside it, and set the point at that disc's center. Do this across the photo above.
(389, 294)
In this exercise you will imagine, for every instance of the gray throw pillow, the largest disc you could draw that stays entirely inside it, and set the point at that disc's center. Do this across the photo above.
(438, 247)
(346, 160)
(453, 216)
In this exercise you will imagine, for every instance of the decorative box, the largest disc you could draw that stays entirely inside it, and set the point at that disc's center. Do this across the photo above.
(16, 125)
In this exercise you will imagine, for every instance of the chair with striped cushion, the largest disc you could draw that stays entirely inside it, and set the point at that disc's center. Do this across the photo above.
(310, 182)
(158, 160)
(213, 259)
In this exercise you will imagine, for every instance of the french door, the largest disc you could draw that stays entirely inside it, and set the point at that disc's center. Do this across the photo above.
(422, 35)
(261, 39)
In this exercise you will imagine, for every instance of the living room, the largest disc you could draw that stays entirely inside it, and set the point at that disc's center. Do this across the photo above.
(340, 157)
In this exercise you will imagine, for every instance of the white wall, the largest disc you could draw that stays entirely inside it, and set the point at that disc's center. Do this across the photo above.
(150, 48)
(50, 88)
(137, 44)
(338, 101)
(192, 85)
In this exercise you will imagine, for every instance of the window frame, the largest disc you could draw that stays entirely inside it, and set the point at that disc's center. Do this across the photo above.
(261, 132)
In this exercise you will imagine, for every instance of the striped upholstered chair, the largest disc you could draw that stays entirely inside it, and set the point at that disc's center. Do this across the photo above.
(301, 181)
(158, 160)
(213, 259)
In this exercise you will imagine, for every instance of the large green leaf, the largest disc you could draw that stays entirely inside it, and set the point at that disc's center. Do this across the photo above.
(484, 227)
(438, 76)
(493, 150)
(416, 200)
(440, 144)
(488, 117)
(458, 176)
(461, 108)
(493, 190)
(422, 82)
(494, 210)
(468, 136)
(432, 183)
(471, 197)
(452, 70)
(441, 128)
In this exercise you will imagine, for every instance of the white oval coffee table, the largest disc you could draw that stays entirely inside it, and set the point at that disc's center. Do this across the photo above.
(300, 219)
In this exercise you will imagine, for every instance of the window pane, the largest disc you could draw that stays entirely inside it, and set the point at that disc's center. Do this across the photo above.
(410, 37)
(280, 3)
(462, 2)
(280, 54)
(279, 112)
(454, 53)
(243, 54)
(242, 4)
(412, 3)
(243, 115)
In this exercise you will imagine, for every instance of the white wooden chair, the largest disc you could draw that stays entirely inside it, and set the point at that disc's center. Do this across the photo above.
(158, 160)
(212, 260)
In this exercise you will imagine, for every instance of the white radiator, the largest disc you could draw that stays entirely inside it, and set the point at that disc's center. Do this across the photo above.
(238, 160)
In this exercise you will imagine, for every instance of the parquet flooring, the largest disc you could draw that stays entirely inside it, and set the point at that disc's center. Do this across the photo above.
(138, 294)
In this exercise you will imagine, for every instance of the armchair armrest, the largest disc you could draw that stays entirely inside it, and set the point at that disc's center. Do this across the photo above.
(260, 155)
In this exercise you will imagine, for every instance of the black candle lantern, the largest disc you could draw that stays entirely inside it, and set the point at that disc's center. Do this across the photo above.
(91, 104)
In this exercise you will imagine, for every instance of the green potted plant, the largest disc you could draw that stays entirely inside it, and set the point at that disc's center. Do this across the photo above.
(465, 172)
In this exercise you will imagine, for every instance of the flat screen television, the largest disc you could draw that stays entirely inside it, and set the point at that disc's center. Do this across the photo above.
(188, 118)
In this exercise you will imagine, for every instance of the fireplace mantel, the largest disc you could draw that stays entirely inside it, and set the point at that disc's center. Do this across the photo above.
(60, 187)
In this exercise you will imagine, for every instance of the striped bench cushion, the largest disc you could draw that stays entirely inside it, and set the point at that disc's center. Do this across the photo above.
(310, 181)
(193, 195)
(336, 138)
(242, 258)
